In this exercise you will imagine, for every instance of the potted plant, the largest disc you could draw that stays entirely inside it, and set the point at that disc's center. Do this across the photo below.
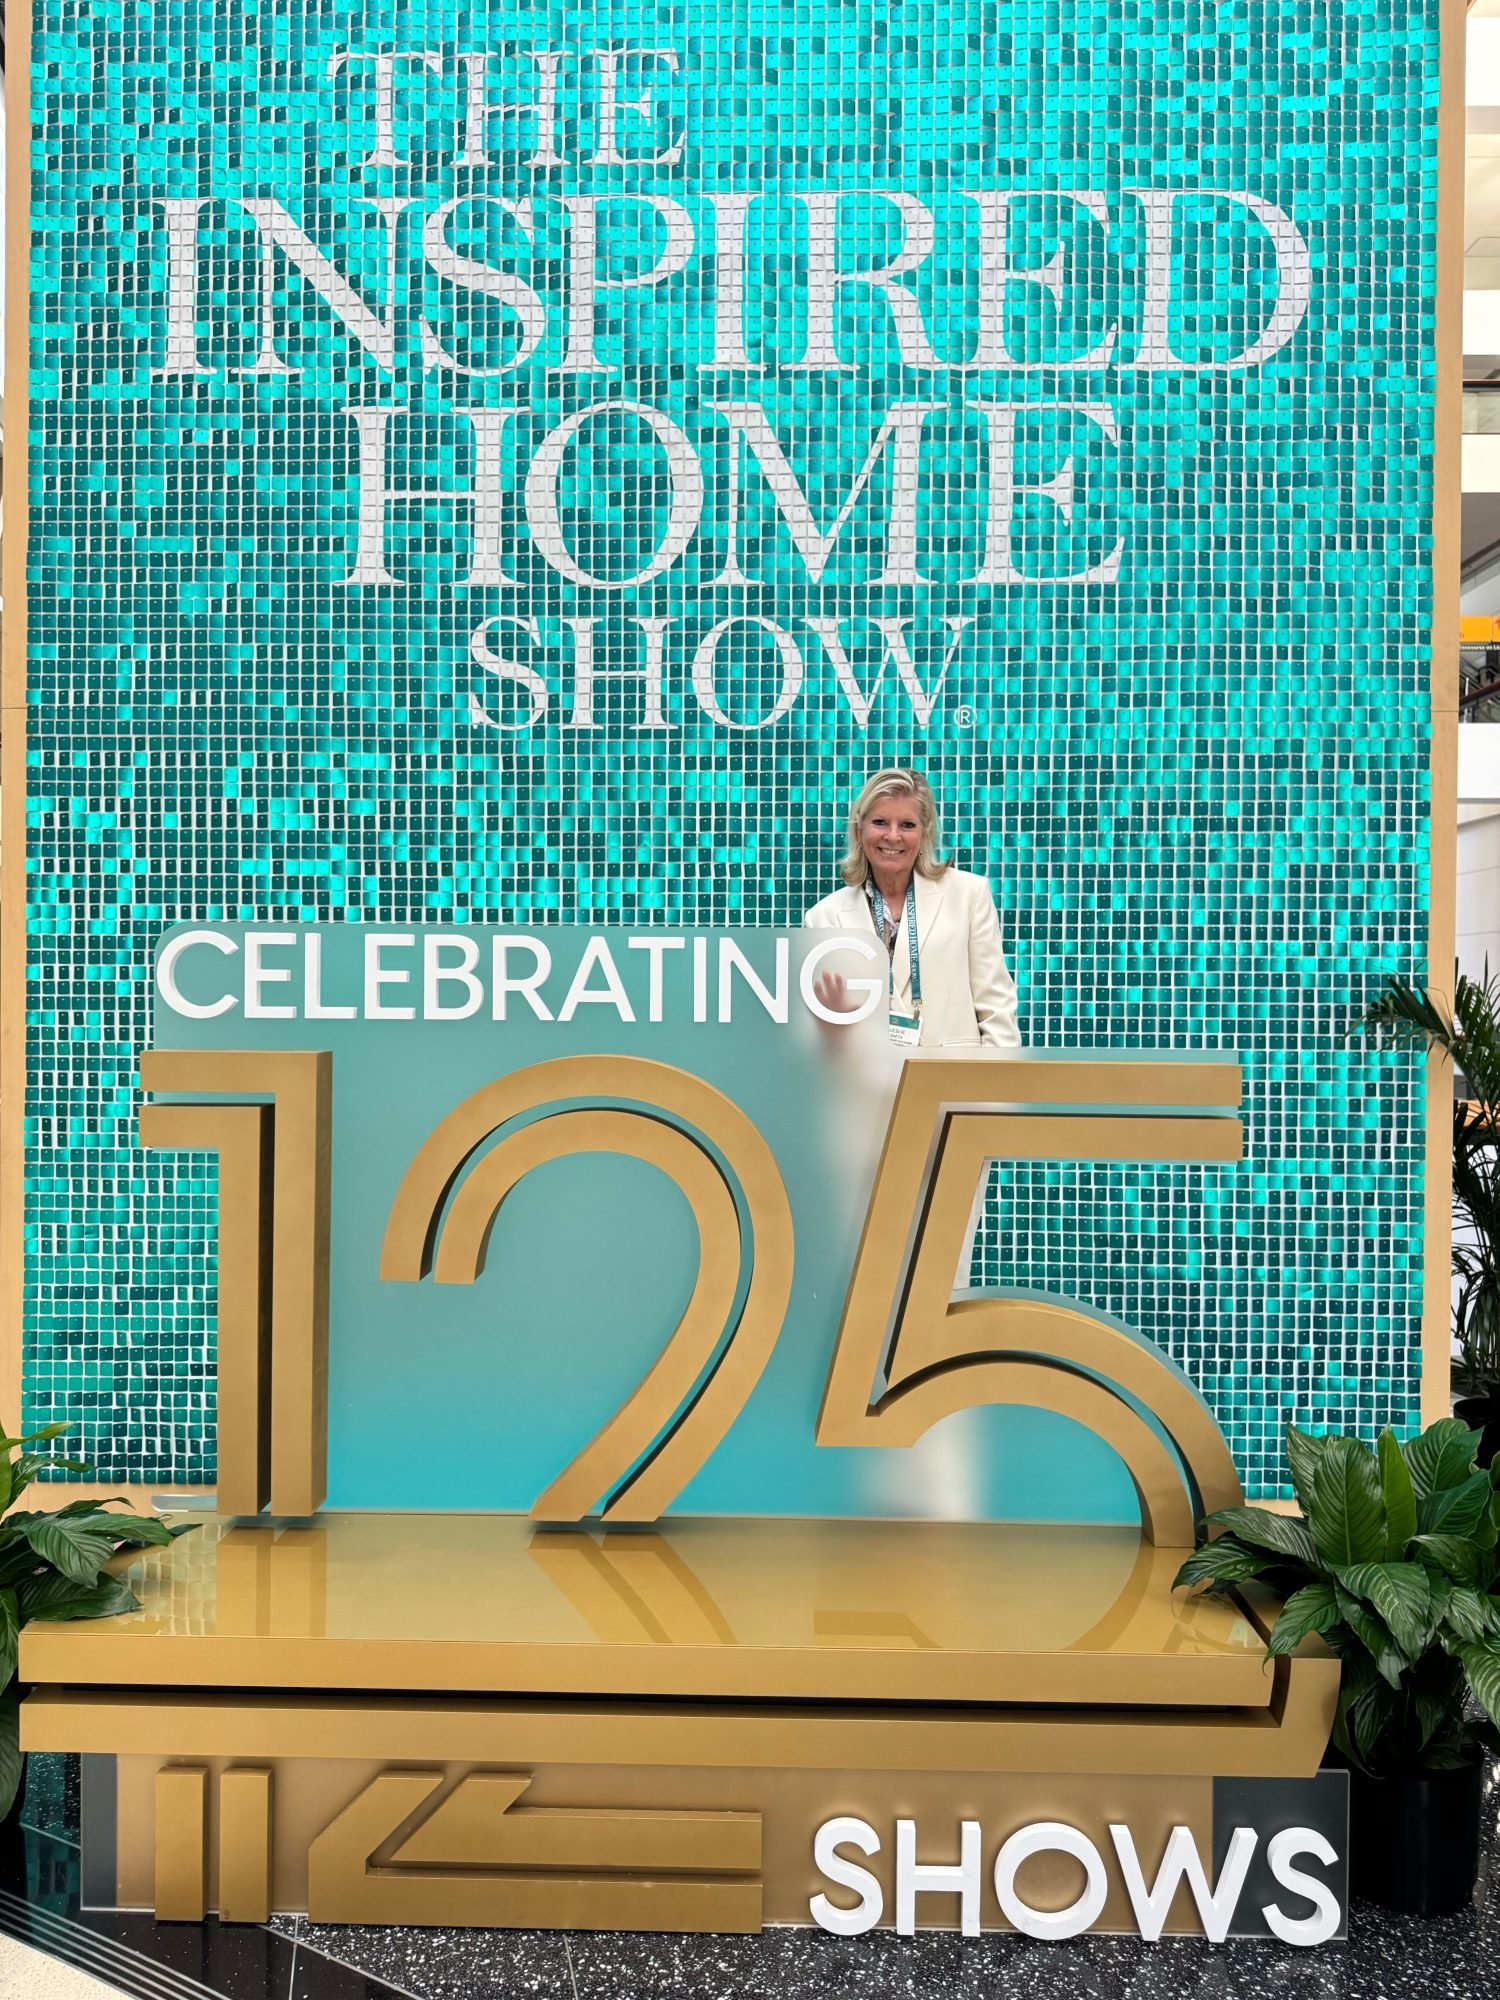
(1393, 1560)
(1469, 1036)
(53, 1566)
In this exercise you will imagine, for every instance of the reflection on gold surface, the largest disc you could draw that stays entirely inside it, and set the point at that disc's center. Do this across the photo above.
(908, 1354)
(678, 1428)
(697, 1608)
(869, 1628)
(631, 1587)
(300, 1085)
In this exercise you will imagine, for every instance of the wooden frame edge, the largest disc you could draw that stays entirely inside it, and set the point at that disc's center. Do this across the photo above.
(13, 543)
(1442, 822)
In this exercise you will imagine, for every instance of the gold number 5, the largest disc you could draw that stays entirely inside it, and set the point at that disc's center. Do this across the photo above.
(909, 1352)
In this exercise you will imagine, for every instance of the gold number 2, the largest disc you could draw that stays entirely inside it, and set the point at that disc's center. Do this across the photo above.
(674, 1423)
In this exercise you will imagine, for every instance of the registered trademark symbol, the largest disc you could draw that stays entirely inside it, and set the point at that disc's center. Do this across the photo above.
(965, 717)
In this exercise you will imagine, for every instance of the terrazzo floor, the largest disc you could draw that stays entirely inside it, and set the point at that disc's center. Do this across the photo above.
(1385, 1958)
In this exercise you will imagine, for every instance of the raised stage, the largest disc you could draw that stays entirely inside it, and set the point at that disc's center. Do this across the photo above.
(471, 1719)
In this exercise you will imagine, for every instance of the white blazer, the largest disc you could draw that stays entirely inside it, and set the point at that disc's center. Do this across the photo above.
(968, 995)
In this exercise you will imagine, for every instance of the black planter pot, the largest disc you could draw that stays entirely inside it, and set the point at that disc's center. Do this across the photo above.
(1482, 1414)
(1414, 1841)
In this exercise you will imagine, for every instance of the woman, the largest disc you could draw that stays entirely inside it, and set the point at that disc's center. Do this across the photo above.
(949, 986)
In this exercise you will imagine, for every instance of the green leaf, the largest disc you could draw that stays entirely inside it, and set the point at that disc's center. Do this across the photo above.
(1369, 1715)
(1399, 1495)
(10, 1635)
(54, 1598)
(1442, 1456)
(10, 1748)
(30, 1463)
(1348, 1516)
(1467, 1614)
(1220, 1563)
(1302, 1453)
(139, 1531)
(1482, 1665)
(1457, 1510)
(7, 1486)
(1312, 1609)
(1455, 1753)
(1453, 1555)
(1371, 1631)
(48, 1461)
(1400, 1594)
(1358, 1677)
(1432, 1713)
(1436, 1686)
(78, 1547)
(1440, 1589)
(40, 1437)
(1359, 1669)
(128, 1530)
(1283, 1534)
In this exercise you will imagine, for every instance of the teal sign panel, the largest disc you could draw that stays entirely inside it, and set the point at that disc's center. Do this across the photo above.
(513, 465)
(592, 1259)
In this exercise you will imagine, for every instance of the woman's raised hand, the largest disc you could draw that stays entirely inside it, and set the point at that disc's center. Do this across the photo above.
(833, 993)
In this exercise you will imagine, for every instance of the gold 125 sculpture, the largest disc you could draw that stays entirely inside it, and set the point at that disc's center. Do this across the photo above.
(476, 1719)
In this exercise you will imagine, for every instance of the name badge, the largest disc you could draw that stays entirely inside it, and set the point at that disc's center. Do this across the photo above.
(905, 1030)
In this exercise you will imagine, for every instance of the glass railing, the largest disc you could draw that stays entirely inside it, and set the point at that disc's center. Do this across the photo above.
(1481, 407)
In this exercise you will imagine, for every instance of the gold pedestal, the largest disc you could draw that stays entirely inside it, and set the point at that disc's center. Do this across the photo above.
(437, 1719)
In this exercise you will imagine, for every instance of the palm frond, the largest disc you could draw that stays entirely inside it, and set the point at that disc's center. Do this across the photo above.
(1410, 1013)
(1407, 1012)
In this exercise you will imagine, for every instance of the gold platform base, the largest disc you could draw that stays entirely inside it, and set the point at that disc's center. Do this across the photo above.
(435, 1720)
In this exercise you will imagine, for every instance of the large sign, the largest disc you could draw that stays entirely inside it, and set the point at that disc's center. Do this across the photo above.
(500, 480)
(503, 467)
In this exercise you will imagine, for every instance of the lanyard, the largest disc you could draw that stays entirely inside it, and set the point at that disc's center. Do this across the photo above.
(884, 918)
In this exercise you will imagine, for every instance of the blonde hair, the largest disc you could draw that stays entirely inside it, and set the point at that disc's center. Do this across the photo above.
(854, 868)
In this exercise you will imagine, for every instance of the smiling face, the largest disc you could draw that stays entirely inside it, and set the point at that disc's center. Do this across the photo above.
(891, 836)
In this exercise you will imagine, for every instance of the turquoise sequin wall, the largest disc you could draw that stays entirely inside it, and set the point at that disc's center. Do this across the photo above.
(1144, 514)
